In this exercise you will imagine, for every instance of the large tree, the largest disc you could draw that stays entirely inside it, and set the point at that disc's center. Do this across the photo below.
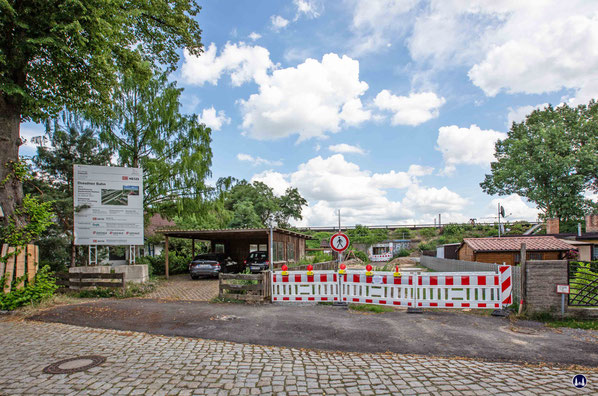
(551, 158)
(56, 54)
(71, 141)
(255, 205)
(147, 130)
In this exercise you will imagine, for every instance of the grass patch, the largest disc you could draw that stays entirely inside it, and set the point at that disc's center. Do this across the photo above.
(370, 308)
(586, 324)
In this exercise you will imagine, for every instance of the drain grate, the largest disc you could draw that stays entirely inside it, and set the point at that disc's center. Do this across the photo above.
(74, 365)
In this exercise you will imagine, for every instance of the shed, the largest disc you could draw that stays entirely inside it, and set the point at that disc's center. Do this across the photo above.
(448, 251)
(507, 249)
(288, 246)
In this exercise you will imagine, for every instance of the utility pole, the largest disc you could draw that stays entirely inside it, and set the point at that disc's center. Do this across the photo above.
(499, 219)
(340, 254)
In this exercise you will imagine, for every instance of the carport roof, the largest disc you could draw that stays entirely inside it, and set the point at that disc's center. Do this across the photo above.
(211, 234)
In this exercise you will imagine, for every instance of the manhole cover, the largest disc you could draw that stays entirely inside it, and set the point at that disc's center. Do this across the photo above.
(75, 364)
(523, 330)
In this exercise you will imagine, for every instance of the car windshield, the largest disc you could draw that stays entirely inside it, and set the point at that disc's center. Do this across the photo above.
(258, 255)
(207, 256)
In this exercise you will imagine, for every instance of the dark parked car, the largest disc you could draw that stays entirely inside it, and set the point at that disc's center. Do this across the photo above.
(211, 264)
(257, 262)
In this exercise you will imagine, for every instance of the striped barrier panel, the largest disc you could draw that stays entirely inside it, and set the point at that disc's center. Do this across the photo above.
(382, 288)
(457, 290)
(381, 257)
(299, 286)
(418, 290)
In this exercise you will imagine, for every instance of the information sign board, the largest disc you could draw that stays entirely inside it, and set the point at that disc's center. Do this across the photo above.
(108, 205)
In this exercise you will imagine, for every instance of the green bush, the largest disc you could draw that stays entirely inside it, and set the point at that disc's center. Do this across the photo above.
(177, 263)
(428, 232)
(362, 256)
(431, 245)
(43, 286)
(402, 253)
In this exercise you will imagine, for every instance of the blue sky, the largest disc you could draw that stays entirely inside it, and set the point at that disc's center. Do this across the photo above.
(387, 110)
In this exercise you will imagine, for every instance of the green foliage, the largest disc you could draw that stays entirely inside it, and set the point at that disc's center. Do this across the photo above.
(428, 232)
(42, 287)
(402, 233)
(254, 204)
(551, 159)
(147, 130)
(318, 237)
(583, 290)
(368, 236)
(431, 245)
(56, 53)
(37, 217)
(587, 324)
(402, 253)
(361, 255)
(178, 263)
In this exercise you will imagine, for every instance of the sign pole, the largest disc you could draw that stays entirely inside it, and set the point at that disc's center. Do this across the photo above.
(340, 254)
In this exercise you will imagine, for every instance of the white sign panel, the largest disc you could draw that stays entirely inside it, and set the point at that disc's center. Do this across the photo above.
(111, 199)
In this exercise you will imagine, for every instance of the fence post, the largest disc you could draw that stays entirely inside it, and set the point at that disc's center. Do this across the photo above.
(124, 284)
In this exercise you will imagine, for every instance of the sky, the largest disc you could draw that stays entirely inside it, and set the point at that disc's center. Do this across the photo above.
(386, 110)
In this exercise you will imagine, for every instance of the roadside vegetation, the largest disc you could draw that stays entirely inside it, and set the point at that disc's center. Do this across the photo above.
(370, 308)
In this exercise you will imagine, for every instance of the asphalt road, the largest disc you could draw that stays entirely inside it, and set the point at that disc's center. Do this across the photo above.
(433, 333)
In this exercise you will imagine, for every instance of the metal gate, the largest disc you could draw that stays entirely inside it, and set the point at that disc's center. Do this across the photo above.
(421, 289)
(583, 283)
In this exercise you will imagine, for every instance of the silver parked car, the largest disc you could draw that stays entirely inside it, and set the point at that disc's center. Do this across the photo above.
(211, 264)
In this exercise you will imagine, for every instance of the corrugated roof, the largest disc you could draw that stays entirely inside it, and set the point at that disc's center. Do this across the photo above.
(208, 232)
(510, 244)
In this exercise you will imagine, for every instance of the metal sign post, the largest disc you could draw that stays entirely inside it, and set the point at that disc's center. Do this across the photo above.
(562, 290)
(93, 252)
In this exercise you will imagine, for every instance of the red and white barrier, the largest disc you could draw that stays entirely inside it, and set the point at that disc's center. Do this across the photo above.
(381, 257)
(300, 286)
(418, 290)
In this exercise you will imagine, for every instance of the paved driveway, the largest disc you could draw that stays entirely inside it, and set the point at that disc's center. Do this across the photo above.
(182, 287)
(449, 334)
(140, 363)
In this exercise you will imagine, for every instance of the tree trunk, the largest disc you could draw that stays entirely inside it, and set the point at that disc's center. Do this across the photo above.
(11, 192)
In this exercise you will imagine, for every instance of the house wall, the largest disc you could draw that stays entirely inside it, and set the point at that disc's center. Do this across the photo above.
(466, 253)
(299, 244)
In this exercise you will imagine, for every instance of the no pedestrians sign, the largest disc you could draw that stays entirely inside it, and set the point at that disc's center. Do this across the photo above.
(339, 242)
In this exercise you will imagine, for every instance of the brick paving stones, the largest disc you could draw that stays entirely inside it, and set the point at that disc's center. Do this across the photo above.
(182, 287)
(139, 363)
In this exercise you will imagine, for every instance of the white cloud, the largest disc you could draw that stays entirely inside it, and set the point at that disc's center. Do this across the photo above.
(309, 8)
(213, 119)
(309, 100)
(376, 22)
(243, 62)
(278, 22)
(254, 36)
(346, 148)
(518, 114)
(275, 180)
(414, 109)
(257, 160)
(514, 205)
(332, 183)
(472, 146)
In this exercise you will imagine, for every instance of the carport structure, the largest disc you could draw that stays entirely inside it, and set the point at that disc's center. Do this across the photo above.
(287, 246)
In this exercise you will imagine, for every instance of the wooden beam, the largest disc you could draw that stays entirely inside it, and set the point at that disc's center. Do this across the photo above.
(31, 263)
(166, 255)
(20, 267)
(192, 248)
(2, 256)
(9, 270)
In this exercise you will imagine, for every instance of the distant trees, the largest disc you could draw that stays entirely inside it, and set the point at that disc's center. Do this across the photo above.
(551, 158)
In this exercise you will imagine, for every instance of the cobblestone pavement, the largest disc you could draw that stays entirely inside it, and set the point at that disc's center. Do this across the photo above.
(182, 287)
(139, 363)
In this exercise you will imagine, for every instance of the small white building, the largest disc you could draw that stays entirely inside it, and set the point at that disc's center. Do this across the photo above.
(385, 251)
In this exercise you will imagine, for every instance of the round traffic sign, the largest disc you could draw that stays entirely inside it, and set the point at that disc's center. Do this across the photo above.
(339, 242)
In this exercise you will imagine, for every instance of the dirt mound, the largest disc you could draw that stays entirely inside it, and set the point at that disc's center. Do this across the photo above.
(403, 262)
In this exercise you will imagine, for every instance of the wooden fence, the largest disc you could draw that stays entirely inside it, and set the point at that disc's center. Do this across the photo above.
(77, 280)
(247, 287)
(15, 263)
